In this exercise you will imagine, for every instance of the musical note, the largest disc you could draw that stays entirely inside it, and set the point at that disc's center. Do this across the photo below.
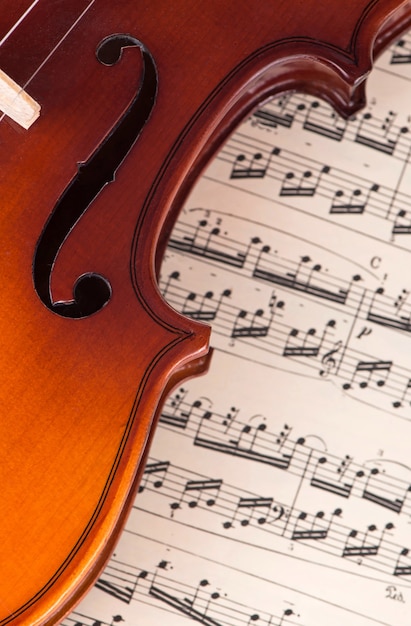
(402, 223)
(369, 368)
(312, 527)
(78, 619)
(401, 52)
(252, 506)
(252, 329)
(338, 476)
(403, 564)
(287, 613)
(397, 404)
(255, 166)
(302, 349)
(283, 117)
(395, 504)
(310, 345)
(193, 492)
(259, 325)
(353, 203)
(238, 446)
(206, 241)
(302, 183)
(185, 606)
(156, 472)
(335, 487)
(166, 285)
(239, 511)
(346, 192)
(323, 120)
(176, 415)
(364, 544)
(201, 487)
(201, 312)
(377, 135)
(293, 280)
(119, 582)
(377, 312)
(202, 602)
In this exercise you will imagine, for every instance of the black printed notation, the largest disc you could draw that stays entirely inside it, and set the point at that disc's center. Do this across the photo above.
(295, 183)
(366, 372)
(308, 343)
(403, 564)
(236, 511)
(203, 602)
(402, 223)
(256, 323)
(377, 375)
(320, 351)
(366, 543)
(392, 312)
(154, 473)
(124, 582)
(375, 483)
(204, 308)
(303, 275)
(340, 193)
(381, 132)
(401, 51)
(344, 478)
(363, 547)
(228, 320)
(313, 527)
(248, 442)
(78, 619)
(239, 324)
(206, 241)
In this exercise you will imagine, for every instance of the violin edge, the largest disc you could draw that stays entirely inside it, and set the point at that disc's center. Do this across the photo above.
(236, 103)
(339, 80)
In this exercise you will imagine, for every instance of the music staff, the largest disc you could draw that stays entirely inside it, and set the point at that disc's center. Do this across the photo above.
(202, 603)
(341, 476)
(302, 275)
(401, 51)
(341, 194)
(382, 134)
(78, 619)
(269, 333)
(233, 509)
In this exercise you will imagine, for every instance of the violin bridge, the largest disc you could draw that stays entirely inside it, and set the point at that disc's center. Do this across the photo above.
(16, 103)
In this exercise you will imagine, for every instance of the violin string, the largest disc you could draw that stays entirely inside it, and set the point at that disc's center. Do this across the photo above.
(72, 27)
(13, 28)
(28, 81)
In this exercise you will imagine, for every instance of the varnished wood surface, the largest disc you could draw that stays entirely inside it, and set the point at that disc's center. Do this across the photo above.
(79, 396)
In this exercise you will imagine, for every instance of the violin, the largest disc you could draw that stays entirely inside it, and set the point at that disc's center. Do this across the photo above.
(110, 112)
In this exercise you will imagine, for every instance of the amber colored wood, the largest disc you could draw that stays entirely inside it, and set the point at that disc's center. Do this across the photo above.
(79, 397)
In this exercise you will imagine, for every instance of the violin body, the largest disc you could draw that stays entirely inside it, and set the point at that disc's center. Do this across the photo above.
(88, 346)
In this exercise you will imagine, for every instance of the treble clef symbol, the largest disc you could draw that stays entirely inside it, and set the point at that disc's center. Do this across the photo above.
(91, 292)
(328, 360)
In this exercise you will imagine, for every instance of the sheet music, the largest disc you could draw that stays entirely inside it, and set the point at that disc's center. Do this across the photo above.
(278, 489)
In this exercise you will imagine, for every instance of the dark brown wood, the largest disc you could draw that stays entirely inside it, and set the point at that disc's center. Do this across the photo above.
(79, 396)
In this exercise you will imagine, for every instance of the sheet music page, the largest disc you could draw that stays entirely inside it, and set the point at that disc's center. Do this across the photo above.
(278, 489)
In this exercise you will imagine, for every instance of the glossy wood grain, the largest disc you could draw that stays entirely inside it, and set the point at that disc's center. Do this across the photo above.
(79, 396)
